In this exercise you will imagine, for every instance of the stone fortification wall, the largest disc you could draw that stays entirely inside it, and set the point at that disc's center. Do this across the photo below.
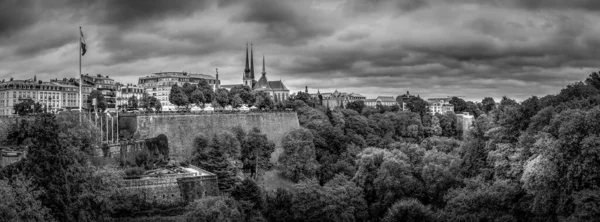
(172, 189)
(181, 130)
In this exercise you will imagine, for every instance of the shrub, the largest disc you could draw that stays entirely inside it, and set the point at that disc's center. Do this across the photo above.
(134, 171)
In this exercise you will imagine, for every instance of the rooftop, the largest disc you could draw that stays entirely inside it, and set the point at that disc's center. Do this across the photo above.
(178, 75)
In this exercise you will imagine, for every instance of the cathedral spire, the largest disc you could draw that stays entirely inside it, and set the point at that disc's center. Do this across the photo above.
(264, 72)
(251, 62)
(247, 69)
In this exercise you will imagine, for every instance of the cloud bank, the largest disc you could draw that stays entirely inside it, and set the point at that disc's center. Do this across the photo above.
(374, 47)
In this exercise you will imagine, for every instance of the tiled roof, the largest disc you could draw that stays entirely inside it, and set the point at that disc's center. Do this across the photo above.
(386, 98)
(277, 85)
(262, 83)
(231, 85)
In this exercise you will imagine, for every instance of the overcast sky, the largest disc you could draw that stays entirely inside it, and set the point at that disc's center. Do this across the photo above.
(434, 48)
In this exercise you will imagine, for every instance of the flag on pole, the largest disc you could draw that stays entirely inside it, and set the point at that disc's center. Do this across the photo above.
(83, 46)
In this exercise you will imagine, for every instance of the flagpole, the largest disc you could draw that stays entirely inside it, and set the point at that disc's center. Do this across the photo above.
(80, 93)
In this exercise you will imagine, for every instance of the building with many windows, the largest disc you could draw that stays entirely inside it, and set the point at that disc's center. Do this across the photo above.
(159, 84)
(440, 105)
(124, 92)
(54, 96)
(381, 100)
(336, 99)
(104, 85)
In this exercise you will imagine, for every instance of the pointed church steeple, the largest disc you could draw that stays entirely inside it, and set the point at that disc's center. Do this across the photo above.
(247, 69)
(251, 62)
(264, 72)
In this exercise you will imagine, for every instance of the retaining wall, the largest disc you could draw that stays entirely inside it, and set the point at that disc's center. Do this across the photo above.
(181, 130)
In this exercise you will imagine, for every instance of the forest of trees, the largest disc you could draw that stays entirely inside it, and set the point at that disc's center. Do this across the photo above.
(534, 160)
(537, 160)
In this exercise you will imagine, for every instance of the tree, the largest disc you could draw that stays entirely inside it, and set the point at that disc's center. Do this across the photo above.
(207, 91)
(305, 97)
(593, 80)
(100, 101)
(221, 97)
(417, 105)
(385, 176)
(132, 102)
(178, 97)
(357, 106)
(482, 201)
(249, 195)
(19, 201)
(508, 102)
(263, 100)
(71, 188)
(409, 210)
(244, 93)
(435, 126)
(488, 104)
(27, 107)
(298, 158)
(338, 200)
(279, 206)
(216, 161)
(197, 97)
(236, 101)
(150, 102)
(256, 152)
(219, 209)
(459, 104)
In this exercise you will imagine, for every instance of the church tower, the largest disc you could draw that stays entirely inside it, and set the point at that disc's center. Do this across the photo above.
(248, 79)
(251, 62)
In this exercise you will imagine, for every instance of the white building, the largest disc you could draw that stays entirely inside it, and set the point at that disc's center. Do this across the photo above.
(54, 96)
(381, 100)
(440, 105)
(159, 84)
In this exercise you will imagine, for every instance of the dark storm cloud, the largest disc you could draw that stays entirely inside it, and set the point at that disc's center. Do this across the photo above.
(286, 22)
(374, 47)
(15, 15)
(126, 13)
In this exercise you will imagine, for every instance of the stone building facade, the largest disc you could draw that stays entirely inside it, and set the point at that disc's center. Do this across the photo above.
(194, 184)
(54, 96)
(336, 99)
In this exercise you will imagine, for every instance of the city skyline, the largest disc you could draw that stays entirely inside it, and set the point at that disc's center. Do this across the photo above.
(431, 48)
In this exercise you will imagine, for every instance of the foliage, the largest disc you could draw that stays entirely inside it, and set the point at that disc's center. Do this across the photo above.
(132, 102)
(150, 102)
(244, 93)
(19, 201)
(488, 104)
(357, 106)
(222, 97)
(218, 209)
(27, 107)
(178, 97)
(219, 156)
(249, 195)
(256, 152)
(417, 105)
(408, 210)
(460, 105)
(298, 158)
(101, 103)
(263, 100)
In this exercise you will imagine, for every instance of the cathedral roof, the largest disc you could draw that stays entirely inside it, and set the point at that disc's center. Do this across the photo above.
(262, 83)
(277, 85)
